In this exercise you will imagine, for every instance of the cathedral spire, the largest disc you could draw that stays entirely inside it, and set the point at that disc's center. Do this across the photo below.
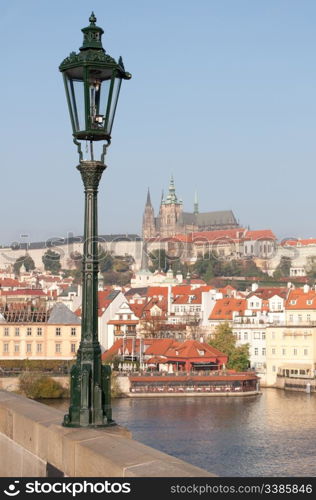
(148, 201)
(172, 197)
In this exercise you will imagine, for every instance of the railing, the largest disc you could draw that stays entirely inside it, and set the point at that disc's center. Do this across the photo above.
(202, 373)
(18, 372)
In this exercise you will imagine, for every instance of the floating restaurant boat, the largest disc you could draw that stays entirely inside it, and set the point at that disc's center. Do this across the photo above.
(221, 384)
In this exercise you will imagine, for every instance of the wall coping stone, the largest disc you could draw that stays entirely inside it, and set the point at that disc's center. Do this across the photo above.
(36, 428)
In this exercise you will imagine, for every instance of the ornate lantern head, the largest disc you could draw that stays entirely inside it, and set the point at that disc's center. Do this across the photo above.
(92, 82)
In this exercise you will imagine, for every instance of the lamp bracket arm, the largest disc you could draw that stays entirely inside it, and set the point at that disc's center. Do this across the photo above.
(104, 151)
(78, 144)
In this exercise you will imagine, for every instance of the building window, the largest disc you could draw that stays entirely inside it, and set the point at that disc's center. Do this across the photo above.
(308, 317)
(6, 332)
(176, 309)
(256, 335)
(273, 350)
(263, 335)
(58, 331)
(29, 331)
(73, 348)
(73, 332)
(245, 336)
(40, 331)
(300, 318)
(291, 318)
(58, 348)
(28, 348)
(273, 368)
(295, 352)
(293, 302)
(256, 351)
(17, 332)
(16, 348)
(263, 351)
(305, 352)
(6, 348)
(283, 352)
(38, 348)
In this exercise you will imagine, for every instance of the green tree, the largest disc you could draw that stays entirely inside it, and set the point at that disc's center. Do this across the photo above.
(310, 267)
(51, 261)
(105, 260)
(224, 340)
(283, 268)
(36, 386)
(120, 265)
(159, 260)
(25, 260)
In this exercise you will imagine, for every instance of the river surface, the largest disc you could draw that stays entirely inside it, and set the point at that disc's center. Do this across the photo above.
(269, 435)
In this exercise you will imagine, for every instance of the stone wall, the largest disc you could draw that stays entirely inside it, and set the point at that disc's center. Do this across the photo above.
(32, 440)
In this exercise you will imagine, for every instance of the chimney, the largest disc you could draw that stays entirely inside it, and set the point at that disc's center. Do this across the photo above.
(254, 287)
(306, 288)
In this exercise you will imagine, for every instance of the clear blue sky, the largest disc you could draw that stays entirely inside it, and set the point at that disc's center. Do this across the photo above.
(223, 96)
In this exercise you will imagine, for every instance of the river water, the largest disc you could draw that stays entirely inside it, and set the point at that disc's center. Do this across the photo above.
(269, 435)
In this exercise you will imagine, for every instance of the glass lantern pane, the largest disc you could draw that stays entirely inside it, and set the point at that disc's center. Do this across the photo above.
(98, 98)
(76, 101)
(115, 95)
(113, 103)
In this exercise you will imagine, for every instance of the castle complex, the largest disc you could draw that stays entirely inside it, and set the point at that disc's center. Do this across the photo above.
(173, 220)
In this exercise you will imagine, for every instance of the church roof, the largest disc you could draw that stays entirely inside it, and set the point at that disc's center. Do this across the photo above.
(221, 217)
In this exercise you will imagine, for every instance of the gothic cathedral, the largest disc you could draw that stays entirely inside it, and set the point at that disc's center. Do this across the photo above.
(173, 220)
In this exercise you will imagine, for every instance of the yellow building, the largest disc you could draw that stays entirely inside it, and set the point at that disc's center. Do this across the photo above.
(291, 348)
(290, 351)
(56, 337)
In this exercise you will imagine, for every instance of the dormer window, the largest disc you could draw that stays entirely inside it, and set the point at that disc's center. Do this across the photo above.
(201, 353)
(309, 302)
(293, 302)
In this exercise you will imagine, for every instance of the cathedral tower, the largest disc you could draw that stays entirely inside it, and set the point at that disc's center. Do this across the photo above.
(170, 214)
(149, 227)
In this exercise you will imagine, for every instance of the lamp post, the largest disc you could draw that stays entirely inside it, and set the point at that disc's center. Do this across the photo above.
(92, 81)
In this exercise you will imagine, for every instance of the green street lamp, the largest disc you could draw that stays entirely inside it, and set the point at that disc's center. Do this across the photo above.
(92, 82)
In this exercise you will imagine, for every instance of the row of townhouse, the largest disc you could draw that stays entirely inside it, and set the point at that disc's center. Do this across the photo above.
(279, 326)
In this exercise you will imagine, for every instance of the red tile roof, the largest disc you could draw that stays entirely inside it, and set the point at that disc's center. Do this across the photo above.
(157, 290)
(262, 234)
(137, 309)
(161, 346)
(9, 282)
(297, 299)
(224, 308)
(191, 348)
(299, 243)
(25, 291)
(268, 293)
